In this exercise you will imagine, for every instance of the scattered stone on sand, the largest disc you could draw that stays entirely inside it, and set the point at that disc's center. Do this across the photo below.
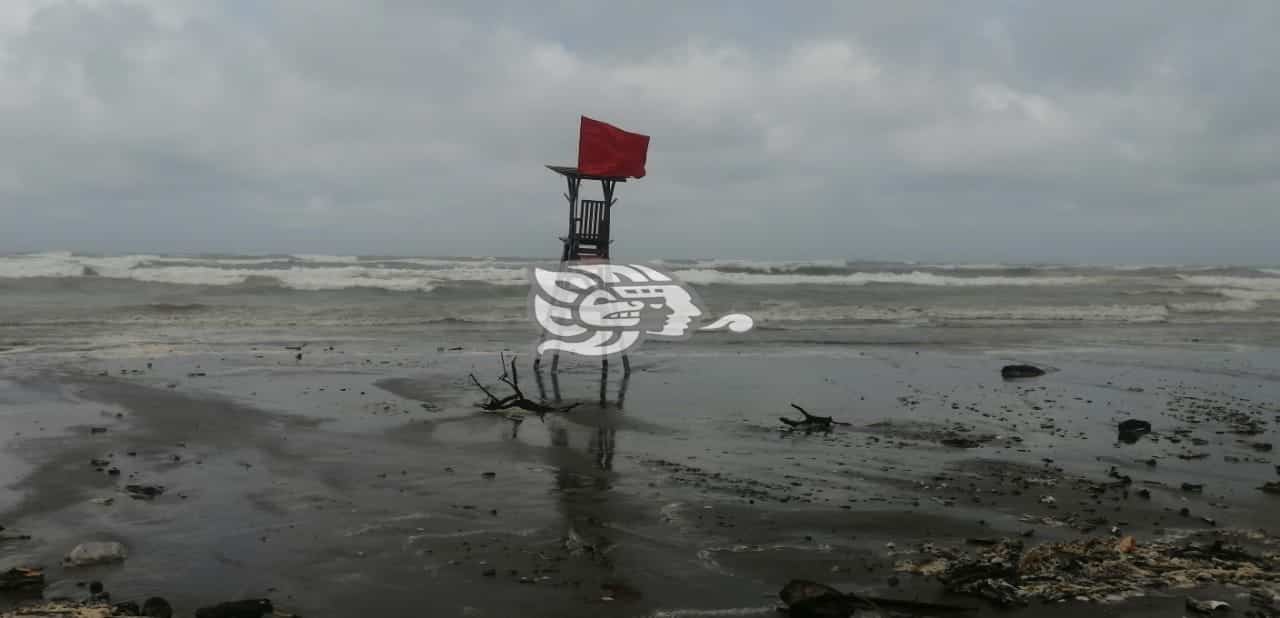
(1207, 607)
(248, 608)
(157, 607)
(960, 442)
(1266, 598)
(1132, 429)
(127, 608)
(8, 536)
(1020, 371)
(95, 552)
(144, 492)
(60, 609)
(808, 599)
(1099, 569)
(21, 579)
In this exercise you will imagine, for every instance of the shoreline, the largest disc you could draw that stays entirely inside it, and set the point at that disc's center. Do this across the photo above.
(689, 497)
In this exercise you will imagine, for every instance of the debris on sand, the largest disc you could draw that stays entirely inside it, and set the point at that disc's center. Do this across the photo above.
(1020, 371)
(1096, 570)
(809, 422)
(1207, 607)
(807, 599)
(144, 492)
(960, 442)
(1132, 429)
(21, 579)
(157, 607)
(517, 399)
(95, 552)
(61, 610)
(249, 608)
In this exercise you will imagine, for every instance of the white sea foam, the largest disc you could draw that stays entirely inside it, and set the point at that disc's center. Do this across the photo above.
(1014, 313)
(1253, 295)
(326, 259)
(1225, 306)
(763, 610)
(707, 276)
(229, 271)
(1246, 283)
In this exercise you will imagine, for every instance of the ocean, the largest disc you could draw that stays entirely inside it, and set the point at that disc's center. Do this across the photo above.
(62, 298)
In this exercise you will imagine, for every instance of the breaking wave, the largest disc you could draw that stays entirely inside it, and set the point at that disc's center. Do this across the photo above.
(1235, 289)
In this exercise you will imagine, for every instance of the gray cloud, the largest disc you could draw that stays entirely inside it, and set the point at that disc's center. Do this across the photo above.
(967, 131)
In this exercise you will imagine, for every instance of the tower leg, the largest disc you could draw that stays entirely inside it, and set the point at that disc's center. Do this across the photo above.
(604, 381)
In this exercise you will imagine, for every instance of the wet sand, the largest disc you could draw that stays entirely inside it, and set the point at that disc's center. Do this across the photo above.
(354, 480)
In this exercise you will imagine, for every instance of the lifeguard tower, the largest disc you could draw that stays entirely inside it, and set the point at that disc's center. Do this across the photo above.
(588, 236)
(608, 155)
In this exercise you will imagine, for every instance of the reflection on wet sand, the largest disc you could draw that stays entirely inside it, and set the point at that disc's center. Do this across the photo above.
(582, 456)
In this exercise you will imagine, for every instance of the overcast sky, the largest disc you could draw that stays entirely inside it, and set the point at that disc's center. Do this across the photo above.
(970, 131)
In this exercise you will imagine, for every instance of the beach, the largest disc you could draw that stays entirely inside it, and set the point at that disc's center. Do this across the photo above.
(319, 442)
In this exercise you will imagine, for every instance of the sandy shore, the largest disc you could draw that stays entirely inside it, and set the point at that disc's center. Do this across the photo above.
(357, 480)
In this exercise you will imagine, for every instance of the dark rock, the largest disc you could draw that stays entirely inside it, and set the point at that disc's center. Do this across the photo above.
(1132, 429)
(1193, 487)
(93, 430)
(1207, 607)
(1272, 488)
(99, 463)
(489, 572)
(95, 587)
(807, 599)
(156, 607)
(114, 471)
(248, 608)
(144, 492)
(1020, 371)
(1145, 494)
(21, 579)
(127, 608)
(489, 475)
(958, 442)
(1262, 446)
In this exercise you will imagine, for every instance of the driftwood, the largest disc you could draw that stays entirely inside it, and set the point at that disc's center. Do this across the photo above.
(810, 422)
(511, 377)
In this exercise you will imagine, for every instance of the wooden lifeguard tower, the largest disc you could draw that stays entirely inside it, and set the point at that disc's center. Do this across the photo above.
(588, 236)
(608, 155)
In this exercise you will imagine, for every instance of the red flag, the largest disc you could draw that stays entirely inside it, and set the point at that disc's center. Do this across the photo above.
(606, 150)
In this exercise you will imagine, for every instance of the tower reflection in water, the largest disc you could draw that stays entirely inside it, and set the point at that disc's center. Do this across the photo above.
(582, 447)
